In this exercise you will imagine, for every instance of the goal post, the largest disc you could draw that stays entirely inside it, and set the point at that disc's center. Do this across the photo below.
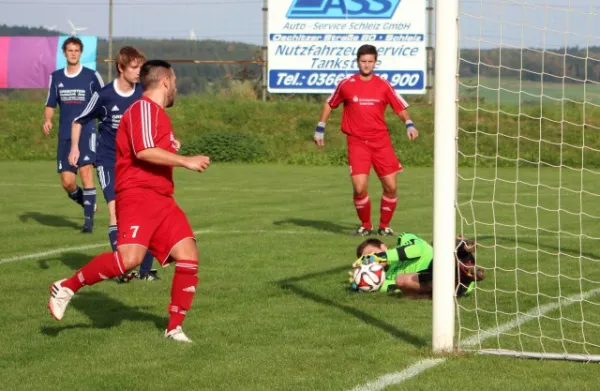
(444, 157)
(517, 169)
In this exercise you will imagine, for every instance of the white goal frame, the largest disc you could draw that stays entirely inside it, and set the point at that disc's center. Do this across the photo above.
(445, 171)
(445, 204)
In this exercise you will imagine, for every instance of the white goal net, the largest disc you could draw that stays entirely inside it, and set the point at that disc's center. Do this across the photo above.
(528, 178)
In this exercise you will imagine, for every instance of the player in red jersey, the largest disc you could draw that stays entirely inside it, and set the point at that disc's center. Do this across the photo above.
(365, 97)
(147, 216)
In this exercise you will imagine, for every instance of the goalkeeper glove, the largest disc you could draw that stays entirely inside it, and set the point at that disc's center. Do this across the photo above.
(364, 260)
(367, 260)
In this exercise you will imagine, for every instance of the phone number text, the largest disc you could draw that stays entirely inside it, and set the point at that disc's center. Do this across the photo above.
(302, 79)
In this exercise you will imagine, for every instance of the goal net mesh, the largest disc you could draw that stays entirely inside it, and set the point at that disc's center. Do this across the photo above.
(528, 177)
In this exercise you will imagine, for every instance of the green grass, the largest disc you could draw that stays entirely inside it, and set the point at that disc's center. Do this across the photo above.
(271, 311)
(540, 242)
(285, 128)
(491, 133)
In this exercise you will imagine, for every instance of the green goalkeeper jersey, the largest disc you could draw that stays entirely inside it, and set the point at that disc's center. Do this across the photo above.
(411, 255)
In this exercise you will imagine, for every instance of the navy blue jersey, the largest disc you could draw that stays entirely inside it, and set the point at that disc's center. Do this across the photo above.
(108, 106)
(72, 93)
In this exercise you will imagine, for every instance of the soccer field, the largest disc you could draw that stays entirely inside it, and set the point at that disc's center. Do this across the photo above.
(511, 90)
(271, 310)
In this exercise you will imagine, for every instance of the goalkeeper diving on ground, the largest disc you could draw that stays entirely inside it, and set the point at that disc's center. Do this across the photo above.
(409, 265)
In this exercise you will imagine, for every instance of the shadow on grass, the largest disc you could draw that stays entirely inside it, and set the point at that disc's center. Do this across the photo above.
(543, 244)
(321, 225)
(289, 284)
(49, 220)
(104, 313)
(72, 260)
(76, 261)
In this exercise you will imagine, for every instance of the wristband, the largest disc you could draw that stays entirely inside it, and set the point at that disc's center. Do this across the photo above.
(320, 127)
(409, 124)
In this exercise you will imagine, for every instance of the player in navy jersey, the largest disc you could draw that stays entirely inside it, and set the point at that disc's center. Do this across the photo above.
(108, 106)
(147, 214)
(71, 88)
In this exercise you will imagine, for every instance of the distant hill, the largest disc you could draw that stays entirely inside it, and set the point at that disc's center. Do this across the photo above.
(191, 77)
(572, 63)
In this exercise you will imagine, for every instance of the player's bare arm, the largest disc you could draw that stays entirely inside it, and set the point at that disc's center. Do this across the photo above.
(48, 114)
(411, 130)
(161, 157)
(319, 137)
(75, 135)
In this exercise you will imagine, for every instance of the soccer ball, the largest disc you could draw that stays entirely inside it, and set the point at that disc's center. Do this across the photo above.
(369, 278)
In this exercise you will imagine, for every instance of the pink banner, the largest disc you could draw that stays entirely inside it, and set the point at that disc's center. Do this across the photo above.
(31, 60)
(27, 62)
(4, 43)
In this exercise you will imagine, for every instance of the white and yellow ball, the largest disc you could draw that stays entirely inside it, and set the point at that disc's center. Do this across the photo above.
(369, 278)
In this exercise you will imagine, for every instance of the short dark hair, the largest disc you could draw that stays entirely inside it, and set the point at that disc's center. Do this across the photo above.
(152, 71)
(74, 41)
(369, 242)
(366, 49)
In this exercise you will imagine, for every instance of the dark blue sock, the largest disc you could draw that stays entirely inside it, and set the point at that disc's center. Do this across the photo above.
(146, 265)
(77, 195)
(89, 204)
(112, 237)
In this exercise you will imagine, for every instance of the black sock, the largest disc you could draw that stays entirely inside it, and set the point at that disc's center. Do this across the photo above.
(77, 195)
(146, 265)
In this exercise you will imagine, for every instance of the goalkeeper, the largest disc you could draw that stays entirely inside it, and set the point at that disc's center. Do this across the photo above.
(409, 266)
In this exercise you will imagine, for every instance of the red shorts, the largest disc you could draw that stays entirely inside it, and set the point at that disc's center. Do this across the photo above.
(148, 219)
(362, 154)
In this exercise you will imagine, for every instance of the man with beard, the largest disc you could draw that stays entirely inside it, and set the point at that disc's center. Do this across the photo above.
(148, 218)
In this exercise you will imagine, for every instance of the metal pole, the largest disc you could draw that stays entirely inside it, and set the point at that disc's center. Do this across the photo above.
(444, 159)
(430, 51)
(110, 34)
(265, 10)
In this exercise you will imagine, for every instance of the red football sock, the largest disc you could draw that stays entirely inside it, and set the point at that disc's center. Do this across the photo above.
(388, 206)
(363, 210)
(103, 267)
(183, 290)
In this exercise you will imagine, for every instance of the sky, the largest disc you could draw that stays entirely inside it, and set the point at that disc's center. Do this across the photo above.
(230, 20)
(546, 24)
(489, 23)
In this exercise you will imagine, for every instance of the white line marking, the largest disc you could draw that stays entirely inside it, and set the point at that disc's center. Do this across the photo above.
(20, 258)
(399, 377)
(532, 314)
(423, 365)
(29, 185)
(183, 187)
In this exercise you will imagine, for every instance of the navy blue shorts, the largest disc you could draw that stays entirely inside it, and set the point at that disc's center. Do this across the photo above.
(87, 152)
(106, 178)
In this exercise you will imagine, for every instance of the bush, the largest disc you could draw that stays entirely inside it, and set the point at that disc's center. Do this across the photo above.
(227, 147)
(237, 129)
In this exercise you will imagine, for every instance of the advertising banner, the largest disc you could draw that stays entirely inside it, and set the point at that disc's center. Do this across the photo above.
(313, 43)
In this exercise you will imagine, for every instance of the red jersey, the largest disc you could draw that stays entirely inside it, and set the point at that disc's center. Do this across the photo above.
(144, 125)
(364, 105)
